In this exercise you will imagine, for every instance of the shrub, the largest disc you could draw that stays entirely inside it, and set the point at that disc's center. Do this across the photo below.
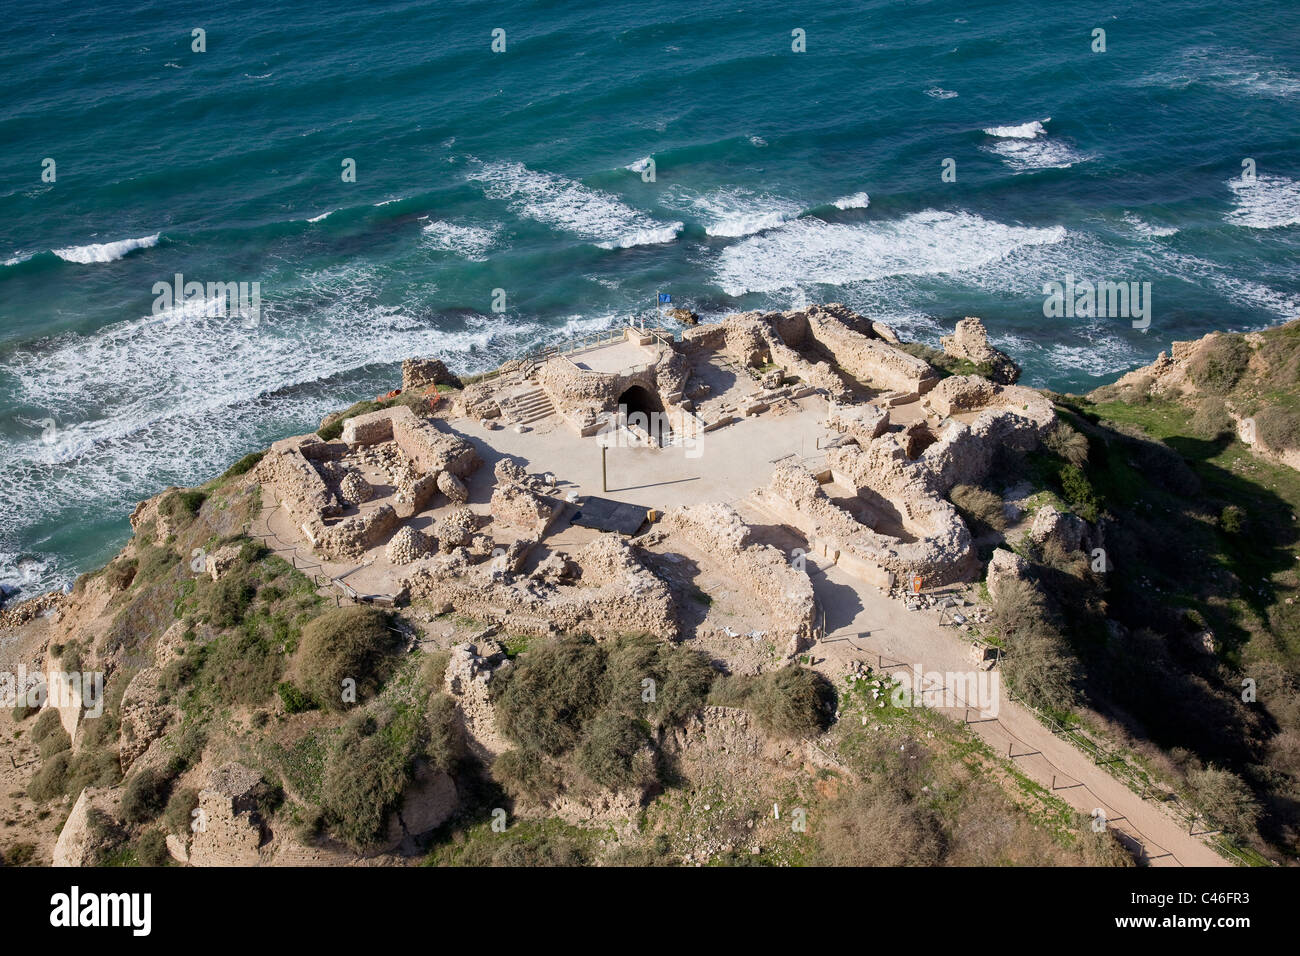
(614, 752)
(681, 676)
(120, 573)
(1231, 519)
(1225, 799)
(50, 781)
(545, 698)
(1220, 363)
(151, 848)
(878, 824)
(182, 504)
(145, 795)
(366, 772)
(49, 735)
(344, 643)
(1277, 427)
(178, 817)
(1079, 492)
(1039, 665)
(20, 854)
(294, 700)
(982, 509)
(1211, 418)
(1069, 444)
(791, 702)
(92, 768)
(240, 667)
(226, 602)
(526, 775)
(446, 746)
(243, 466)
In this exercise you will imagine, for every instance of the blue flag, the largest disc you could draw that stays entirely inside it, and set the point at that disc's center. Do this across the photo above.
(665, 297)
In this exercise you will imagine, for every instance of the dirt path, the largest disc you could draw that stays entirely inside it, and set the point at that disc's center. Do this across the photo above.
(865, 625)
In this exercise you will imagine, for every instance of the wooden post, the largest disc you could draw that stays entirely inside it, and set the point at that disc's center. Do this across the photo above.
(1053, 781)
(604, 471)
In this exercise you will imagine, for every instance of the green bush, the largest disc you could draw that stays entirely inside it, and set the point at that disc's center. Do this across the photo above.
(184, 505)
(48, 734)
(178, 817)
(50, 781)
(526, 775)
(1277, 427)
(20, 854)
(1231, 519)
(1039, 665)
(446, 746)
(614, 752)
(682, 677)
(1225, 799)
(980, 508)
(344, 643)
(366, 771)
(120, 573)
(1079, 493)
(1211, 418)
(1220, 364)
(543, 701)
(145, 795)
(294, 700)
(1069, 444)
(226, 602)
(243, 466)
(791, 702)
(151, 848)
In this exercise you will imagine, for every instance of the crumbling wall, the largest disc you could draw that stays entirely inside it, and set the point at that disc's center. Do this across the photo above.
(295, 481)
(761, 569)
(355, 534)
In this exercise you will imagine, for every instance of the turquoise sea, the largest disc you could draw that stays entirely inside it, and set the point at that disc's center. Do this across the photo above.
(780, 177)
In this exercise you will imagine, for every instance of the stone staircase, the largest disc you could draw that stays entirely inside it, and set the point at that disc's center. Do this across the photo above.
(529, 406)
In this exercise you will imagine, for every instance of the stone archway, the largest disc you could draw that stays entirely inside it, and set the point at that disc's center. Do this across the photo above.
(641, 407)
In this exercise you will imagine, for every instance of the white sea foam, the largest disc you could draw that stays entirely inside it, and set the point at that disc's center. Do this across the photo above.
(1270, 202)
(17, 258)
(569, 205)
(640, 166)
(324, 215)
(1030, 130)
(940, 94)
(105, 251)
(1146, 229)
(148, 402)
(923, 243)
(856, 201)
(468, 242)
(734, 211)
(757, 141)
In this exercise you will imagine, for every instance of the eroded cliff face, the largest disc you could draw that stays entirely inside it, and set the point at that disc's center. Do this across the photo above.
(1245, 384)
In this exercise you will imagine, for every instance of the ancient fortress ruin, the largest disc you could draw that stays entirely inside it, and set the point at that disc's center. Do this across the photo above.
(467, 506)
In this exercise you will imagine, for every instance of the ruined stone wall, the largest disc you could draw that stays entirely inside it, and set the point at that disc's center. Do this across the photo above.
(616, 594)
(761, 569)
(296, 482)
(355, 534)
(869, 359)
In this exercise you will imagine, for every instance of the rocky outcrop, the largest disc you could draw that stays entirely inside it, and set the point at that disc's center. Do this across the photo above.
(1065, 531)
(970, 342)
(1005, 565)
(144, 716)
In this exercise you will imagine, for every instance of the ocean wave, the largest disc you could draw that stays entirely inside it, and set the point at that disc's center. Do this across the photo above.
(1030, 130)
(324, 215)
(735, 211)
(939, 93)
(144, 403)
(923, 243)
(569, 205)
(1146, 229)
(468, 242)
(105, 251)
(1270, 202)
(856, 201)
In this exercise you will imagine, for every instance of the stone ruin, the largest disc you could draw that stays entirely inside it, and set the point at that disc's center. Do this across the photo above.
(314, 483)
